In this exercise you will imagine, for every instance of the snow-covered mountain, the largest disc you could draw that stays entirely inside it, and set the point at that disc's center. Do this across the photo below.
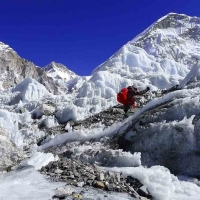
(59, 71)
(175, 37)
(159, 57)
(65, 77)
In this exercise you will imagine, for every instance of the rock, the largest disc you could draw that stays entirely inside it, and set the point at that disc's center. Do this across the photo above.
(43, 169)
(63, 192)
(142, 191)
(47, 109)
(22, 110)
(89, 182)
(118, 176)
(99, 184)
(133, 182)
(80, 184)
(110, 187)
(58, 171)
(91, 177)
(77, 175)
(71, 177)
(100, 176)
(119, 189)
(132, 191)
(67, 154)
(78, 196)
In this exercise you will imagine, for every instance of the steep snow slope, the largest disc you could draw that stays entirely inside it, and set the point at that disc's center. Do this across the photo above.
(159, 57)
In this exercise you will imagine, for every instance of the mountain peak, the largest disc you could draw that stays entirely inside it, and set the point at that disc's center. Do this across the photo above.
(59, 71)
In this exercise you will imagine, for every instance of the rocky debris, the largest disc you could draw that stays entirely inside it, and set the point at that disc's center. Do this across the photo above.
(10, 155)
(79, 174)
(106, 117)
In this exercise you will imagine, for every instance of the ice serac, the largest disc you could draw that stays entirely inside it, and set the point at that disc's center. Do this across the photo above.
(13, 69)
(10, 155)
(159, 57)
(31, 90)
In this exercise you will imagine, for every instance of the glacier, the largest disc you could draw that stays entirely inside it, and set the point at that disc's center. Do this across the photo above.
(49, 114)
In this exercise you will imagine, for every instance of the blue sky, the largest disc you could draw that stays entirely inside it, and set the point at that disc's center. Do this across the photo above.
(80, 34)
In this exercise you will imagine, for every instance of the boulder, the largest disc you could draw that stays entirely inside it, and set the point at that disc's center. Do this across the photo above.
(63, 192)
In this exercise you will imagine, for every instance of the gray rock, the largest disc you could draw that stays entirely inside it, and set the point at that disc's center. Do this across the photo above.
(143, 191)
(63, 192)
(71, 177)
(99, 184)
(91, 177)
(118, 176)
(47, 109)
(100, 176)
(58, 171)
(80, 184)
(110, 187)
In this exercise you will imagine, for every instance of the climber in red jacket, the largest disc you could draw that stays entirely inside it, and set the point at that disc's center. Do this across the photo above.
(127, 97)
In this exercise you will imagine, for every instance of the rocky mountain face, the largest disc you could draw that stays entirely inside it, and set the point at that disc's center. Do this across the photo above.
(14, 69)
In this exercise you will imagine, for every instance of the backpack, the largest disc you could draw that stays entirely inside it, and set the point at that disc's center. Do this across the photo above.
(122, 96)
